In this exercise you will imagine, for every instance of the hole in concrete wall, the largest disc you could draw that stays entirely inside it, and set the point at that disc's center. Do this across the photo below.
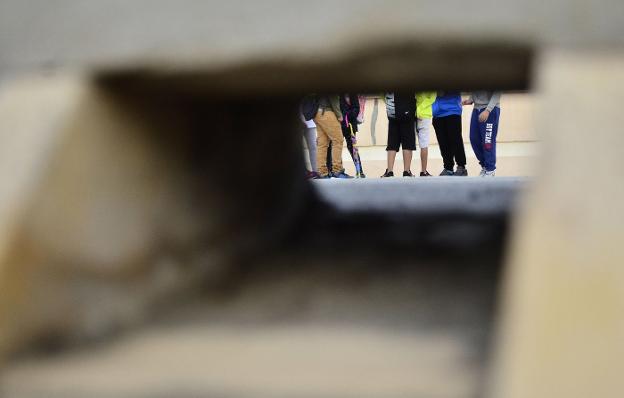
(517, 144)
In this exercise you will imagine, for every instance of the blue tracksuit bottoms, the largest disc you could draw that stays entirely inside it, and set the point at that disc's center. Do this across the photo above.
(483, 138)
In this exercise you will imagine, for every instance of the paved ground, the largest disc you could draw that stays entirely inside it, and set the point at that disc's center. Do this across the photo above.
(514, 160)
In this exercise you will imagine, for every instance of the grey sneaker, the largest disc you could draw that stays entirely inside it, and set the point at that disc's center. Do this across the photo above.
(489, 173)
(461, 172)
(482, 173)
(446, 172)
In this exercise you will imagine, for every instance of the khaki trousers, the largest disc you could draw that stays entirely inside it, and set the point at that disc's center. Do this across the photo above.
(328, 130)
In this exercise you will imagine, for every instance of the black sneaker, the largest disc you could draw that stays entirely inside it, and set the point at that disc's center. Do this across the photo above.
(388, 174)
(446, 172)
(461, 172)
(425, 174)
(360, 175)
(408, 174)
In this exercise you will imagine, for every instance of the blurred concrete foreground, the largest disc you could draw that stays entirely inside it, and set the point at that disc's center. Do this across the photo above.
(133, 263)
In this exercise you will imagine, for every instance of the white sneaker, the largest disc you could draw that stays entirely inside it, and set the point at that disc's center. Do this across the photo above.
(482, 173)
(489, 174)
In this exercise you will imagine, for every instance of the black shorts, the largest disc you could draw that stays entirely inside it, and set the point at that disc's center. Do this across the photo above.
(401, 133)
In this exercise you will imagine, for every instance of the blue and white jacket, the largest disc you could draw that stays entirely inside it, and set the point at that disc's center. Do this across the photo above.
(447, 104)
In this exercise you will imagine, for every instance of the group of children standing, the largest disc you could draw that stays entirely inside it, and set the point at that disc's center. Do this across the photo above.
(333, 119)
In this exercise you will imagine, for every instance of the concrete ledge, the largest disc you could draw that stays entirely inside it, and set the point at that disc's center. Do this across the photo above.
(439, 194)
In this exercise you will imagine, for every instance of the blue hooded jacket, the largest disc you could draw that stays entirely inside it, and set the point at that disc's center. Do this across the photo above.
(447, 104)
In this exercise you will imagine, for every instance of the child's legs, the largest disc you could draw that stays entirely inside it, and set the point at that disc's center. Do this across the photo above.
(490, 131)
(394, 142)
(408, 142)
(441, 131)
(391, 158)
(454, 126)
(328, 123)
(310, 136)
(322, 141)
(346, 132)
(407, 159)
(423, 128)
(355, 153)
(476, 140)
(335, 135)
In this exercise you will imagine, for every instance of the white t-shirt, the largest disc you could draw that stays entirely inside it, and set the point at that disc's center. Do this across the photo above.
(309, 123)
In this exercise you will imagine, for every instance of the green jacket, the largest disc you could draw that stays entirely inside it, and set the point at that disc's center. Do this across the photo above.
(424, 103)
(331, 102)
